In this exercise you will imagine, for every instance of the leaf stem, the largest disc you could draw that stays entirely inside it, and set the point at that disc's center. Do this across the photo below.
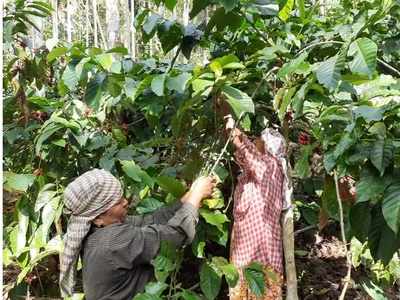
(348, 254)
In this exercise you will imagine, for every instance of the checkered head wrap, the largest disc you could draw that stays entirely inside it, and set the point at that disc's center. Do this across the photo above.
(275, 144)
(85, 198)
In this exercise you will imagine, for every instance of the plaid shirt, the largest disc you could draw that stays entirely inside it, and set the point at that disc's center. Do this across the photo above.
(257, 209)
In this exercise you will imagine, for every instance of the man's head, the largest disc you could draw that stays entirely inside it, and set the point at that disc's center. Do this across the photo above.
(115, 214)
(274, 142)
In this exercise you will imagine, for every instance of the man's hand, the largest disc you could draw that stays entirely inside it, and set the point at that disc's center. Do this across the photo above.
(201, 188)
(230, 122)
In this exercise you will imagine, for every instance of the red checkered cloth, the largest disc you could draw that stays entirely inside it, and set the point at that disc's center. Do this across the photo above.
(257, 209)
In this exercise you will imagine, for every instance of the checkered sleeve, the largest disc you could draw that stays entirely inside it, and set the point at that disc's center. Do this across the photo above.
(251, 160)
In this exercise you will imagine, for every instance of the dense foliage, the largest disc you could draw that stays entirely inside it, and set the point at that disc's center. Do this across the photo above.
(328, 77)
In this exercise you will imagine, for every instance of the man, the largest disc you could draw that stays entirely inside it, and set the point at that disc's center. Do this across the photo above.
(117, 249)
(256, 235)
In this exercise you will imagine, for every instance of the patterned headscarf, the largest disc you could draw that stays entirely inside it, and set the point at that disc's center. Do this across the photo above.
(88, 196)
(275, 144)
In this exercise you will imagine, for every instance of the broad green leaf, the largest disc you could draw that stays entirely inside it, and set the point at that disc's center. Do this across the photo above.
(360, 220)
(49, 214)
(171, 185)
(130, 87)
(214, 203)
(302, 166)
(369, 113)
(158, 83)
(56, 52)
(286, 10)
(119, 50)
(238, 100)
(382, 241)
(391, 206)
(105, 60)
(346, 141)
(215, 218)
(266, 7)
(170, 35)
(189, 295)
(148, 205)
(136, 173)
(216, 67)
(254, 276)
(222, 19)
(229, 4)
(46, 132)
(293, 65)
(329, 198)
(381, 154)
(364, 52)
(18, 236)
(370, 185)
(149, 26)
(70, 78)
(287, 99)
(156, 288)
(46, 194)
(329, 71)
(170, 4)
(198, 6)
(210, 282)
(93, 91)
(144, 84)
(146, 296)
(178, 83)
(229, 270)
(17, 182)
(374, 291)
(200, 85)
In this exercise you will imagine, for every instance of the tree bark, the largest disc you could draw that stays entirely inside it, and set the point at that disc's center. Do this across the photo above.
(69, 21)
(87, 22)
(54, 4)
(133, 30)
(94, 4)
(112, 23)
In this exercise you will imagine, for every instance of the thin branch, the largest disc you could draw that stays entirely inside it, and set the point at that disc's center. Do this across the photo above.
(175, 57)
(348, 254)
(262, 80)
(388, 66)
(318, 44)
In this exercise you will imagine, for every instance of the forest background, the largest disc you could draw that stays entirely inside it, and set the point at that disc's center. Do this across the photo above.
(135, 87)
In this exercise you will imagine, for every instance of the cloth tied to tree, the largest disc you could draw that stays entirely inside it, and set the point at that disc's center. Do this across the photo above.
(85, 198)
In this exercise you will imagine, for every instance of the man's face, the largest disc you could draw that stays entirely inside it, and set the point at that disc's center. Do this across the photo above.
(115, 214)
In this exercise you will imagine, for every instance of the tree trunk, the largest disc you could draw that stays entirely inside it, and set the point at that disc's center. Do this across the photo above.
(54, 4)
(186, 9)
(205, 53)
(133, 30)
(94, 4)
(288, 245)
(125, 20)
(112, 23)
(87, 22)
(69, 21)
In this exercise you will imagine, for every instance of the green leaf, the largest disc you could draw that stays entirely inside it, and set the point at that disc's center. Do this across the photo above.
(287, 99)
(254, 276)
(391, 206)
(70, 78)
(374, 291)
(382, 241)
(17, 182)
(368, 113)
(329, 198)
(136, 173)
(56, 52)
(381, 154)
(360, 220)
(49, 214)
(229, 270)
(149, 26)
(210, 282)
(284, 13)
(302, 166)
(45, 133)
(170, 35)
(216, 67)
(155, 288)
(45, 195)
(171, 185)
(105, 60)
(346, 141)
(198, 6)
(293, 65)
(200, 85)
(178, 83)
(229, 4)
(158, 83)
(189, 295)
(148, 205)
(120, 50)
(93, 91)
(238, 100)
(370, 185)
(170, 4)
(364, 52)
(328, 72)
(215, 218)
(146, 296)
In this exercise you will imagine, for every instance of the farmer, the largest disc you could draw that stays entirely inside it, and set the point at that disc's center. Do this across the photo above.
(116, 249)
(258, 202)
